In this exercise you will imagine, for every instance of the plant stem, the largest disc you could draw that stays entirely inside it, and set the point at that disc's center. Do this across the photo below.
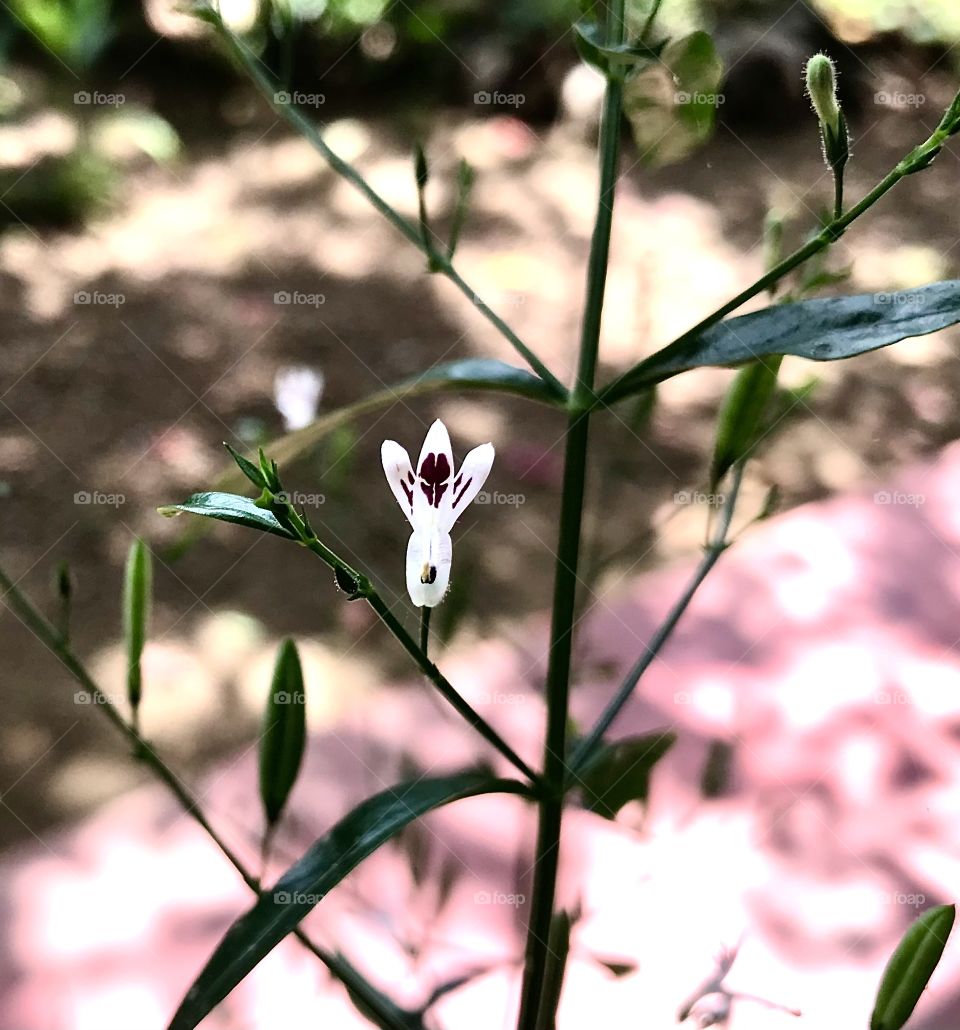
(438, 262)
(588, 745)
(632, 380)
(424, 629)
(387, 1015)
(546, 861)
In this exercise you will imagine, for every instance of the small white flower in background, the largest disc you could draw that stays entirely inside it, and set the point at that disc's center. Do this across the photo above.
(433, 498)
(297, 390)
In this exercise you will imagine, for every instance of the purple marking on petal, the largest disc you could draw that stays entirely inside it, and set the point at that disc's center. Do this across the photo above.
(408, 493)
(434, 477)
(457, 482)
(459, 496)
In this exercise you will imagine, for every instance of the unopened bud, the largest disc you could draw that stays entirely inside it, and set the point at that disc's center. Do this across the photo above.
(822, 88)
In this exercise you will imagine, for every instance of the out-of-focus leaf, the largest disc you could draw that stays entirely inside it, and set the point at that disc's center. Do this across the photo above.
(672, 105)
(279, 910)
(589, 37)
(284, 732)
(910, 967)
(620, 772)
(228, 508)
(136, 612)
(741, 421)
(715, 776)
(824, 329)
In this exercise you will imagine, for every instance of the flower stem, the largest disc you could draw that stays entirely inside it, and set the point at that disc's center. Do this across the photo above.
(382, 1010)
(424, 628)
(546, 862)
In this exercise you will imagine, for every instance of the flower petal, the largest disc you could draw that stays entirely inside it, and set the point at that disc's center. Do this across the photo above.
(434, 476)
(468, 482)
(399, 472)
(429, 554)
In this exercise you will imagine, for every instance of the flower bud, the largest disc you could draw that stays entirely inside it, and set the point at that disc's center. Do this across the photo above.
(822, 88)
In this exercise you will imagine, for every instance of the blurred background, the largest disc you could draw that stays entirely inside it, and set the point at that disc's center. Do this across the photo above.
(177, 269)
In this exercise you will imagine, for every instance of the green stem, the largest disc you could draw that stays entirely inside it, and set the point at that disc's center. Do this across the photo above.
(546, 861)
(425, 628)
(587, 747)
(387, 1014)
(345, 170)
(632, 380)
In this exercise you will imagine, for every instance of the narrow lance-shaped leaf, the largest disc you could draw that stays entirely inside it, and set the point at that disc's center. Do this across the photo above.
(63, 585)
(278, 911)
(910, 967)
(284, 733)
(741, 420)
(136, 612)
(247, 467)
(825, 329)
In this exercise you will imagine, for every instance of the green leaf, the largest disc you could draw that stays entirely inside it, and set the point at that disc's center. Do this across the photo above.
(589, 37)
(741, 421)
(620, 772)
(284, 732)
(136, 612)
(228, 508)
(825, 329)
(910, 967)
(672, 105)
(279, 910)
(247, 467)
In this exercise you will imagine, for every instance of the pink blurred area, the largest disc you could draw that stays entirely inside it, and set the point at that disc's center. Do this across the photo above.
(822, 650)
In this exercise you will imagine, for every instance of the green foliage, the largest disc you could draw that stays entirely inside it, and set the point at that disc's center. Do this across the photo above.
(305, 884)
(284, 732)
(620, 773)
(137, 588)
(824, 329)
(229, 508)
(910, 967)
(672, 104)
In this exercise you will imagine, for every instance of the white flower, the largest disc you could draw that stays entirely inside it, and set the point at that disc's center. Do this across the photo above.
(433, 499)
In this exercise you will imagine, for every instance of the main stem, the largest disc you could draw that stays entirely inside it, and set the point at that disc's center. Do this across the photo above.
(568, 553)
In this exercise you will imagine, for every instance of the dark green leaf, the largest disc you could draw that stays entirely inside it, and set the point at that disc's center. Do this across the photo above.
(136, 612)
(284, 732)
(825, 329)
(672, 105)
(228, 508)
(620, 772)
(279, 910)
(910, 967)
(589, 37)
(251, 471)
